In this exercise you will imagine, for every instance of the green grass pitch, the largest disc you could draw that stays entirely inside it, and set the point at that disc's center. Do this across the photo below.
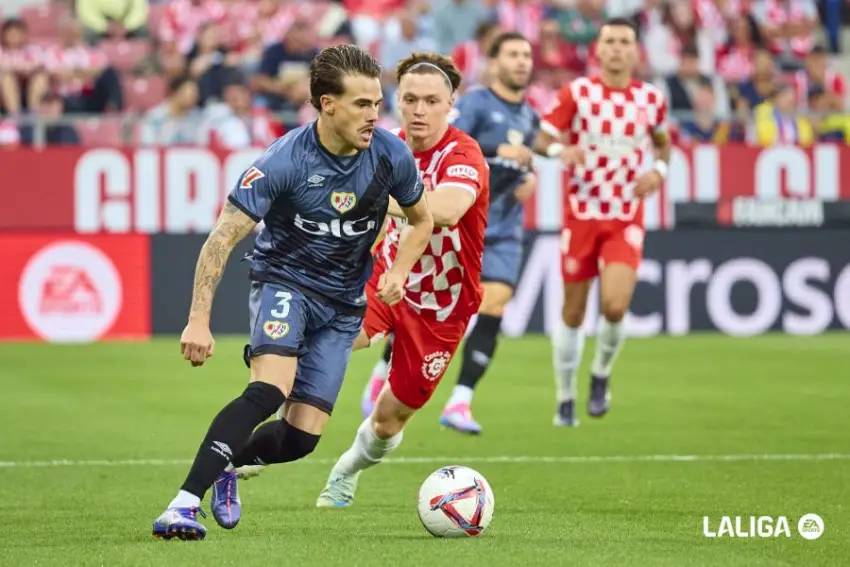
(706, 396)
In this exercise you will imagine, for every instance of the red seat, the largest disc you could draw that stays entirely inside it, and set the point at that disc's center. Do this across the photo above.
(142, 93)
(123, 55)
(43, 20)
(105, 131)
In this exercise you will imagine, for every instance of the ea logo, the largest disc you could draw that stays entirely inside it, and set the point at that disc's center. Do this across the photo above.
(810, 526)
(70, 292)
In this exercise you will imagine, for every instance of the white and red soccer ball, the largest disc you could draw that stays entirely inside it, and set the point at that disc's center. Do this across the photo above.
(455, 501)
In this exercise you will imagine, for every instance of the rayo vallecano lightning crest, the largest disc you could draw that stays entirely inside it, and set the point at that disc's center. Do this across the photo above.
(343, 201)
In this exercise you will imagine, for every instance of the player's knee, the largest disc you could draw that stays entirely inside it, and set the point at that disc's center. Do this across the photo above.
(573, 315)
(496, 297)
(614, 308)
(387, 427)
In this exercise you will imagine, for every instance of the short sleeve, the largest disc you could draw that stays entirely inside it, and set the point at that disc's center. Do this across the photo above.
(559, 116)
(260, 185)
(407, 186)
(464, 168)
(464, 116)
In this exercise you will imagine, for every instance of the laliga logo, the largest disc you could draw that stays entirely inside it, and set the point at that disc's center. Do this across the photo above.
(810, 527)
(70, 292)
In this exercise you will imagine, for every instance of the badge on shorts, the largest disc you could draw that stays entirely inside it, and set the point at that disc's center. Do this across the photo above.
(275, 329)
(435, 364)
(343, 201)
(634, 236)
(515, 137)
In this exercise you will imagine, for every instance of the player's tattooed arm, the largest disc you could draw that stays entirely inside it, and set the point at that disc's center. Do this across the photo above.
(232, 226)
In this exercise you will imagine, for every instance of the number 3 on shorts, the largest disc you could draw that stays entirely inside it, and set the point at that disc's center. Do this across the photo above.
(565, 240)
(282, 309)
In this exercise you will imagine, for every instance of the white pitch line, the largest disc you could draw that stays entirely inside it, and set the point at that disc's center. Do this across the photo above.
(577, 459)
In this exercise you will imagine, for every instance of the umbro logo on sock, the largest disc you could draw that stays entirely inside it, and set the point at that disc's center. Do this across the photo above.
(222, 449)
(480, 358)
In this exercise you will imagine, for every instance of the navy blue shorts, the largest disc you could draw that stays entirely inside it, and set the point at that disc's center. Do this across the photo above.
(286, 322)
(502, 261)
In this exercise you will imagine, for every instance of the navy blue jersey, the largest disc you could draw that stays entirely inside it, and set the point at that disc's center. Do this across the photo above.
(493, 121)
(322, 213)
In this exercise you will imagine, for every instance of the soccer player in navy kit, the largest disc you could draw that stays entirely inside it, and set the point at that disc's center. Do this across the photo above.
(322, 191)
(505, 125)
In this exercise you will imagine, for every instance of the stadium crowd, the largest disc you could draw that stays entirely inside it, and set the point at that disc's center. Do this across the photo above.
(234, 73)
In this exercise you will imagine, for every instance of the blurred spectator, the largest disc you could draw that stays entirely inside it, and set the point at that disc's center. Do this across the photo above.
(776, 120)
(830, 124)
(114, 19)
(23, 81)
(394, 50)
(176, 120)
(523, 16)
(81, 74)
(470, 57)
(666, 39)
(788, 26)
(554, 53)
(162, 60)
(624, 8)
(208, 62)
(581, 25)
(260, 24)
(368, 16)
(736, 58)
(703, 126)
(680, 88)
(235, 122)
(457, 21)
(56, 132)
(284, 66)
(817, 74)
(183, 19)
(762, 85)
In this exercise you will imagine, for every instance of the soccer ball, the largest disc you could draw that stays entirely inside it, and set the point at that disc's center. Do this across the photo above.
(455, 502)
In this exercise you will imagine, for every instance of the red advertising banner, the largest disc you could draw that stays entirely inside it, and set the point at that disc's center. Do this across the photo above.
(69, 288)
(181, 190)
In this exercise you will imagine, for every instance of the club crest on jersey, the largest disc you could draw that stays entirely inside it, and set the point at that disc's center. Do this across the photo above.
(343, 201)
(250, 176)
(275, 329)
(515, 137)
(642, 118)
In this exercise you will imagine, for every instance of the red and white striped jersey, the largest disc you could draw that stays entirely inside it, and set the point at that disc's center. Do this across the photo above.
(183, 19)
(775, 13)
(446, 280)
(523, 17)
(614, 127)
(60, 59)
(470, 61)
(736, 64)
(250, 23)
(834, 83)
(22, 61)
